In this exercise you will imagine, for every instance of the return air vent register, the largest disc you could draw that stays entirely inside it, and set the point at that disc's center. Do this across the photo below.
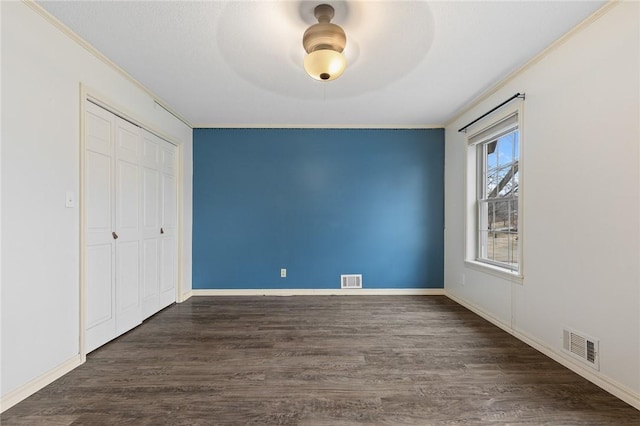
(351, 281)
(581, 347)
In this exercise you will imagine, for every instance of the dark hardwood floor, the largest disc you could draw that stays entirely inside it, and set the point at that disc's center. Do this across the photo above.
(319, 361)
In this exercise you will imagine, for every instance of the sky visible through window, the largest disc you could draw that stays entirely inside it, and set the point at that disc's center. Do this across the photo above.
(502, 166)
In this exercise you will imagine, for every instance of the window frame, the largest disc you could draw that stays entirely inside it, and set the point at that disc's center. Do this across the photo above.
(483, 132)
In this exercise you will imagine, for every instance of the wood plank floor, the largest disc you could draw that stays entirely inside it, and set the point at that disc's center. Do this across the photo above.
(319, 361)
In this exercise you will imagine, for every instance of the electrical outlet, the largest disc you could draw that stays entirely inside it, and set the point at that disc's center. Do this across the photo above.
(283, 273)
(464, 280)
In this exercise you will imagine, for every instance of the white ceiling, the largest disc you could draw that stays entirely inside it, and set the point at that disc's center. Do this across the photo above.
(239, 63)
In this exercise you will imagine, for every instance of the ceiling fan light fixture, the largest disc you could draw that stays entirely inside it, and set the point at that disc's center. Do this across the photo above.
(324, 43)
(325, 64)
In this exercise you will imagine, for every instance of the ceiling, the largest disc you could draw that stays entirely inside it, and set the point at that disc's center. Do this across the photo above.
(239, 63)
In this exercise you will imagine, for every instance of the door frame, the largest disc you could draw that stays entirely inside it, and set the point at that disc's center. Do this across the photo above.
(88, 94)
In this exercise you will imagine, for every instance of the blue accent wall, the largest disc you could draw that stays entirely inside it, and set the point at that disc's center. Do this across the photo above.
(320, 203)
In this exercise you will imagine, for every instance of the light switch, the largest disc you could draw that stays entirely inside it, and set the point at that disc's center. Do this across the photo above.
(69, 199)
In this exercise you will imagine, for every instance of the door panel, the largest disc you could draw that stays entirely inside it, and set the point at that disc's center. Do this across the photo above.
(150, 277)
(151, 245)
(169, 204)
(168, 158)
(128, 218)
(169, 224)
(128, 198)
(99, 198)
(99, 130)
(128, 141)
(150, 203)
(100, 318)
(150, 224)
(150, 149)
(128, 307)
(100, 322)
(99, 290)
(169, 273)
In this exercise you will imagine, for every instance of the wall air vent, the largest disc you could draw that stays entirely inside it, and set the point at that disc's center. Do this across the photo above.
(581, 347)
(351, 281)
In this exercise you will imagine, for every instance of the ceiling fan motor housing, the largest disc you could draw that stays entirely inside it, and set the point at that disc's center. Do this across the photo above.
(324, 34)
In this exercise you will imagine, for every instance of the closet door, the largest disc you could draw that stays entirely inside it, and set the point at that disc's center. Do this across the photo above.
(150, 224)
(168, 224)
(128, 229)
(130, 225)
(99, 223)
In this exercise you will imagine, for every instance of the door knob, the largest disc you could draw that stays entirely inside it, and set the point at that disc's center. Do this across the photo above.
(162, 230)
(115, 236)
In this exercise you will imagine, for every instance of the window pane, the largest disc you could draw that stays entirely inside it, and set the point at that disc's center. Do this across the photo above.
(500, 247)
(505, 248)
(498, 234)
(492, 155)
(506, 149)
(505, 182)
(493, 178)
(491, 236)
(500, 216)
(501, 177)
(513, 220)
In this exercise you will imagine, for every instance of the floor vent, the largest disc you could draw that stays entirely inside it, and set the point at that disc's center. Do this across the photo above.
(581, 347)
(351, 281)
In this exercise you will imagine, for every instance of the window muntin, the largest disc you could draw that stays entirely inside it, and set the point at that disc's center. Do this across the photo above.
(497, 197)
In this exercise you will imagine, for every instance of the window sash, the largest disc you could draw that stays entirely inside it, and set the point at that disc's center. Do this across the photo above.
(497, 229)
(498, 232)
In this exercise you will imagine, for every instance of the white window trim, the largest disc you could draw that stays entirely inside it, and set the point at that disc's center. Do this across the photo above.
(470, 180)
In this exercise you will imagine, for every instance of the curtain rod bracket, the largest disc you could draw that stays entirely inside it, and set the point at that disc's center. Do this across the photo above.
(516, 96)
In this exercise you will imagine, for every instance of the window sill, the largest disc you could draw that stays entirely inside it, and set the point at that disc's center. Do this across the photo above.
(515, 277)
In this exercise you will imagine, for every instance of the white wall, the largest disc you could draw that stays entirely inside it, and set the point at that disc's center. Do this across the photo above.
(581, 189)
(42, 69)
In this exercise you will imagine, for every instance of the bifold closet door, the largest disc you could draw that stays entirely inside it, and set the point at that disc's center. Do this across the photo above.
(150, 224)
(131, 225)
(168, 224)
(99, 183)
(112, 193)
(159, 217)
(129, 234)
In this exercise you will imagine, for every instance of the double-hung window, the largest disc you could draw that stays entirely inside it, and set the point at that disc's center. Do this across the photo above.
(497, 206)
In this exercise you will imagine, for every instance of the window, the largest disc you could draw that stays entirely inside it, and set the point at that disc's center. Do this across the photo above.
(496, 203)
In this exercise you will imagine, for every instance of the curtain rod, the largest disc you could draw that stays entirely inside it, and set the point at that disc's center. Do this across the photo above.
(517, 95)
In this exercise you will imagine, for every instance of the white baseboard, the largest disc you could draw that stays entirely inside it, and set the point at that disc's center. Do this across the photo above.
(613, 387)
(324, 292)
(28, 389)
(185, 296)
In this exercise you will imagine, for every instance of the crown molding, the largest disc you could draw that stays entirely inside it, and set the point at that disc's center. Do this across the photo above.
(320, 126)
(99, 55)
(531, 62)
